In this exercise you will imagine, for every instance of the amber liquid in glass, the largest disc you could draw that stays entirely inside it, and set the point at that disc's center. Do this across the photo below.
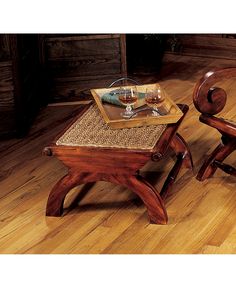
(128, 99)
(154, 100)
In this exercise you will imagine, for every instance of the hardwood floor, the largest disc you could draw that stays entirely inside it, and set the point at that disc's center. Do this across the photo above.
(110, 219)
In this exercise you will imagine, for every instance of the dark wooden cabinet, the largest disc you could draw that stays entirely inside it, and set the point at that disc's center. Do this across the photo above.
(38, 69)
(19, 83)
(74, 64)
(203, 45)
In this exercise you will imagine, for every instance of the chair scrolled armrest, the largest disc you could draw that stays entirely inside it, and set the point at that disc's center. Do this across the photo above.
(207, 98)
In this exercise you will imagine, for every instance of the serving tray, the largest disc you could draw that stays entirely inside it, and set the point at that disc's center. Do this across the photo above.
(112, 113)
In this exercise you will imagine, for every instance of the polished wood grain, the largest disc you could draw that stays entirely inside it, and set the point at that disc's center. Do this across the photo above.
(110, 218)
(119, 166)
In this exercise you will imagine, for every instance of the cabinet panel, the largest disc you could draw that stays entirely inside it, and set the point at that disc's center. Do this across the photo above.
(73, 64)
(6, 82)
(78, 87)
(208, 45)
(19, 80)
(7, 121)
(85, 66)
(81, 46)
(5, 51)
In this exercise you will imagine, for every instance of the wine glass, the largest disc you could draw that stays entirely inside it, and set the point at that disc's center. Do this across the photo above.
(128, 97)
(154, 98)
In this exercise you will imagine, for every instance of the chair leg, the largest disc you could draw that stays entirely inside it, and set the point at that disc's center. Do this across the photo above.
(226, 168)
(219, 154)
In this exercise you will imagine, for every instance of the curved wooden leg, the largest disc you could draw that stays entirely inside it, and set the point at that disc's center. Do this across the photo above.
(171, 177)
(180, 147)
(208, 168)
(58, 193)
(150, 197)
(184, 158)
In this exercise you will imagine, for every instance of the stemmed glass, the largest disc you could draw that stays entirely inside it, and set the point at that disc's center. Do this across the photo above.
(128, 97)
(154, 98)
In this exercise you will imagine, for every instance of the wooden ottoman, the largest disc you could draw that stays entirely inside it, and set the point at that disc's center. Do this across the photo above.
(93, 151)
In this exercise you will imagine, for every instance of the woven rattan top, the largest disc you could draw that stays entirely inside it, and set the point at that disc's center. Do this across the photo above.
(91, 130)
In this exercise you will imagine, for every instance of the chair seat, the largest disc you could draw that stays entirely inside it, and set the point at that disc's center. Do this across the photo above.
(91, 130)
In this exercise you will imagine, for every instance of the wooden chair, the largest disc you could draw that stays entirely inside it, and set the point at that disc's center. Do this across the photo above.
(210, 100)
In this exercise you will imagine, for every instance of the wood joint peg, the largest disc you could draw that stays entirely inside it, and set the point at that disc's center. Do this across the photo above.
(47, 151)
(157, 156)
